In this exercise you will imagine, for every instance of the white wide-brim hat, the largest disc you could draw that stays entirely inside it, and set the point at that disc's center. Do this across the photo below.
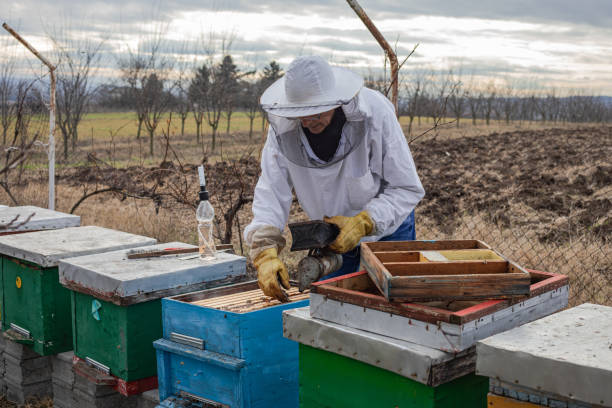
(310, 86)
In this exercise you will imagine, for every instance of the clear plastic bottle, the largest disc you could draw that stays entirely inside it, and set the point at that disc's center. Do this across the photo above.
(204, 215)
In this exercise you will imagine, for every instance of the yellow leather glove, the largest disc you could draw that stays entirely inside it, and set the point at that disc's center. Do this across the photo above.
(271, 274)
(352, 229)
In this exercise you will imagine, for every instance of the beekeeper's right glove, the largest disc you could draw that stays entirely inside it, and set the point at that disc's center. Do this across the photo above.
(271, 274)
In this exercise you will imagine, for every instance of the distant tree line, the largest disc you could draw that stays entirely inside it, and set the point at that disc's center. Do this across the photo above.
(449, 96)
(212, 89)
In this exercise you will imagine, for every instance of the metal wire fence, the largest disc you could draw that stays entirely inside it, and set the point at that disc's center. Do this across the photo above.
(537, 240)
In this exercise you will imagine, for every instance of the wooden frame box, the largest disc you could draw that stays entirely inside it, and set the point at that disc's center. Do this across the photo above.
(409, 271)
(234, 358)
(352, 300)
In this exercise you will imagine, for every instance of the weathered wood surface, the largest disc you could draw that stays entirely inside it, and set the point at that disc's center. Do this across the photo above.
(399, 256)
(425, 280)
(447, 268)
(449, 287)
(375, 268)
(423, 245)
(357, 288)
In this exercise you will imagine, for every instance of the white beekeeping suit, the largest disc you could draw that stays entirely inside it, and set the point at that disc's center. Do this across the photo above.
(372, 169)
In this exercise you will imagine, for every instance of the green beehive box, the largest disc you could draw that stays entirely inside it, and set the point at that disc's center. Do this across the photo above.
(342, 367)
(116, 306)
(17, 220)
(36, 307)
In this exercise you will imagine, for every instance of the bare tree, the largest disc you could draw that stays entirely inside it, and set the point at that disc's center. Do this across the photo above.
(77, 62)
(457, 99)
(413, 90)
(146, 72)
(488, 101)
(228, 75)
(21, 141)
(474, 101)
(251, 91)
(441, 90)
(8, 84)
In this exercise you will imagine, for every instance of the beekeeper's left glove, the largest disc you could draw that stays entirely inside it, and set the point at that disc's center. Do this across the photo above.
(352, 229)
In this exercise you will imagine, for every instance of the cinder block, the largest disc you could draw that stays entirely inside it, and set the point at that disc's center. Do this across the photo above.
(557, 404)
(62, 395)
(62, 367)
(27, 372)
(19, 351)
(91, 389)
(116, 400)
(148, 399)
(20, 393)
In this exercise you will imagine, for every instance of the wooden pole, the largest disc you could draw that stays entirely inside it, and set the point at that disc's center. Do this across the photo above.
(51, 151)
(385, 46)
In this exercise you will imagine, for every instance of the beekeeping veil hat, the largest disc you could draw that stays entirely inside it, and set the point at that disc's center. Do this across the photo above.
(311, 86)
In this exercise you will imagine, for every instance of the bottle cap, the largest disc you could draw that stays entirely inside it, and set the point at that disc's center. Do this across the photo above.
(203, 193)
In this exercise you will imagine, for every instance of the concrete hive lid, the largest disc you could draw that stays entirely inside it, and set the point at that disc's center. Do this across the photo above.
(42, 219)
(47, 248)
(568, 353)
(115, 278)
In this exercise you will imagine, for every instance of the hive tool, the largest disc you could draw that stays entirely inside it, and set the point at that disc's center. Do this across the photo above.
(314, 236)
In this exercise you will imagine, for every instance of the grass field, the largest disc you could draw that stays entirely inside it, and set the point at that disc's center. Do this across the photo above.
(111, 136)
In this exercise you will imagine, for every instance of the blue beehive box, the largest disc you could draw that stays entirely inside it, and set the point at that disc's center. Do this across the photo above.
(225, 347)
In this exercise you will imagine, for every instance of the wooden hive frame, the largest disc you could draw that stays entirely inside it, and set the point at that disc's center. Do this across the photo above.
(402, 274)
(240, 298)
(357, 288)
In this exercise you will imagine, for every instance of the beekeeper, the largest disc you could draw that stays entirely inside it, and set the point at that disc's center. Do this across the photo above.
(340, 147)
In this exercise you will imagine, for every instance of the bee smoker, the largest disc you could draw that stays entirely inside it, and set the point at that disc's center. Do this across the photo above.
(315, 236)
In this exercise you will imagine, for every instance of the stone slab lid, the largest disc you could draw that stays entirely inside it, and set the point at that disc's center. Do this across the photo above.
(419, 363)
(113, 277)
(568, 354)
(47, 248)
(41, 219)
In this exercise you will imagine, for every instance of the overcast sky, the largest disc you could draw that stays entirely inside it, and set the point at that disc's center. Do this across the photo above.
(565, 44)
